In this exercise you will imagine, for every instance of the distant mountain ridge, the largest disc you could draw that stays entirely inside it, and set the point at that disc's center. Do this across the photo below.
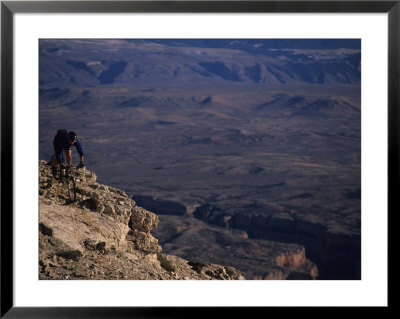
(66, 63)
(300, 105)
(261, 44)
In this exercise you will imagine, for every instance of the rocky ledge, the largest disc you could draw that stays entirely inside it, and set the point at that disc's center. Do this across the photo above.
(103, 234)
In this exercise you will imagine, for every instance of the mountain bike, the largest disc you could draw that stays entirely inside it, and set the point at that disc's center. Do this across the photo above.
(69, 182)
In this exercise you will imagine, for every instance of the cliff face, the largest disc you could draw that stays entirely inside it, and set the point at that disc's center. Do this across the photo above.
(335, 250)
(105, 235)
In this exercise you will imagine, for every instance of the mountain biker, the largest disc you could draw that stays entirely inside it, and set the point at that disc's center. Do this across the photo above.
(63, 142)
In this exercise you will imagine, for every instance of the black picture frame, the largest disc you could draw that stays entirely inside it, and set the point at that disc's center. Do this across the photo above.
(9, 8)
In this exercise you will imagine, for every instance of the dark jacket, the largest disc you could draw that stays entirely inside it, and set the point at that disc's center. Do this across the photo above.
(61, 142)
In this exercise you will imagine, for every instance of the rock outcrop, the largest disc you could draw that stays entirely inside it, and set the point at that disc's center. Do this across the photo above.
(103, 234)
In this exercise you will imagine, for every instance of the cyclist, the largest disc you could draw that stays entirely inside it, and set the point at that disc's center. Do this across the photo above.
(63, 142)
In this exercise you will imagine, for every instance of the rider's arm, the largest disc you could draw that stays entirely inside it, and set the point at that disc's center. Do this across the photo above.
(68, 153)
(80, 150)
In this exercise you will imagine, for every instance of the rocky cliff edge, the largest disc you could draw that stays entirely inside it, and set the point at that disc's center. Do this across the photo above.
(103, 234)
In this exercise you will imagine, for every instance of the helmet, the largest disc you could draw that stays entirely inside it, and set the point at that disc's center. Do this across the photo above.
(72, 136)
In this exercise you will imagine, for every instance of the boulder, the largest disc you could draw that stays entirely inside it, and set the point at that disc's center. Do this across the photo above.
(142, 220)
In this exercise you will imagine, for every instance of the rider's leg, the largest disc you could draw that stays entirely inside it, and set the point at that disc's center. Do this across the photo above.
(68, 155)
(54, 164)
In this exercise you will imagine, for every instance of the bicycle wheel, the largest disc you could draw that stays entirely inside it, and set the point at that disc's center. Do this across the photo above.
(71, 188)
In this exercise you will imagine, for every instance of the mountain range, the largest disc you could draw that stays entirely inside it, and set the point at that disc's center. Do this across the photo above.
(151, 62)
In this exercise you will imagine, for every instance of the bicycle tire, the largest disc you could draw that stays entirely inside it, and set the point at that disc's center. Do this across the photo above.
(71, 188)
